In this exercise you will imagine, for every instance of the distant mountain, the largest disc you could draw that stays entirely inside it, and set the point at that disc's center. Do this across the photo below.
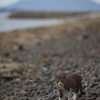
(7, 10)
(56, 5)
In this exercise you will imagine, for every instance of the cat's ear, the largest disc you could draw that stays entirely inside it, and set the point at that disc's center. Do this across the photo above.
(64, 75)
(56, 77)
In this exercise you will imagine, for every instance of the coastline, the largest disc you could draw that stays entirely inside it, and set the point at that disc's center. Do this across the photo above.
(33, 14)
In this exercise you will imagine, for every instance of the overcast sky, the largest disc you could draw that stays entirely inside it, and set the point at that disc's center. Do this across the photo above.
(4, 3)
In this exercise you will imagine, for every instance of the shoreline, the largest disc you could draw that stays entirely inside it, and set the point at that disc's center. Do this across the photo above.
(33, 14)
(28, 23)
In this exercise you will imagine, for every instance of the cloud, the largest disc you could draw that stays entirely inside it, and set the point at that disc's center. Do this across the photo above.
(4, 3)
(96, 1)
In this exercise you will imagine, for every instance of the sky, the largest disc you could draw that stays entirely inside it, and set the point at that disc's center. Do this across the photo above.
(5, 3)
(96, 1)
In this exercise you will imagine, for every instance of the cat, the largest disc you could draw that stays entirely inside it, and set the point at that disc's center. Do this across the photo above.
(69, 84)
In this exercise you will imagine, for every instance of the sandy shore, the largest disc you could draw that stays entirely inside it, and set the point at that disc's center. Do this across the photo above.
(30, 58)
(22, 14)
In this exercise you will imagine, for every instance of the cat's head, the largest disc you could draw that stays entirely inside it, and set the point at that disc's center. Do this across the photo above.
(60, 77)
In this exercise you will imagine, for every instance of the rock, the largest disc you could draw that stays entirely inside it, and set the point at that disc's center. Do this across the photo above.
(83, 98)
(86, 84)
(98, 98)
(7, 54)
(20, 47)
(23, 92)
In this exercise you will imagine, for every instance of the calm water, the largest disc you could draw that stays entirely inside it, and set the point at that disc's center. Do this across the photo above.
(7, 24)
